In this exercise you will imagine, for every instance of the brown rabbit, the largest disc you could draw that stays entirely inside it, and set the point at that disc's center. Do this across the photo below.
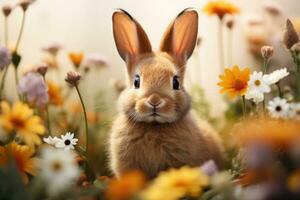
(155, 129)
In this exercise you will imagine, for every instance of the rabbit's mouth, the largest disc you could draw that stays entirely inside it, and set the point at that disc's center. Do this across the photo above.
(154, 114)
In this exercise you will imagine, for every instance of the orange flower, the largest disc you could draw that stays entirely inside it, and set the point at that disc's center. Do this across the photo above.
(234, 82)
(275, 133)
(220, 8)
(76, 58)
(23, 157)
(54, 92)
(125, 187)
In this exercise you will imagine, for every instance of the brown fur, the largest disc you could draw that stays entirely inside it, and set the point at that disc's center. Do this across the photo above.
(173, 137)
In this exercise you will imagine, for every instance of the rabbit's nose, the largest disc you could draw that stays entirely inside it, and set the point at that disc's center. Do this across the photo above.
(154, 100)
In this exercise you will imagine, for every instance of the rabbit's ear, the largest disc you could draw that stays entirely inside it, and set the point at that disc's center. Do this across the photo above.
(130, 38)
(180, 37)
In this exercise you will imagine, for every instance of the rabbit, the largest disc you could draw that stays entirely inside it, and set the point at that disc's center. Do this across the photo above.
(155, 129)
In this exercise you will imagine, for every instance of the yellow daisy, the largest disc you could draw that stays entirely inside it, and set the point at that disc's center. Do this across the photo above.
(220, 8)
(176, 183)
(54, 92)
(234, 81)
(21, 120)
(76, 58)
(23, 157)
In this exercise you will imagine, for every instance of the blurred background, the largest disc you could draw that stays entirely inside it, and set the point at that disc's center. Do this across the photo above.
(85, 26)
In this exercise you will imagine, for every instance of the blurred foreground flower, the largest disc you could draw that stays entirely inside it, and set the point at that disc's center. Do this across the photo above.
(176, 183)
(76, 58)
(126, 186)
(58, 170)
(5, 57)
(220, 8)
(22, 156)
(33, 86)
(274, 133)
(21, 120)
(234, 81)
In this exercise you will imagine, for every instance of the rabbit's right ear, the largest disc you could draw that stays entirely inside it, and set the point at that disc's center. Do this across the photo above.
(130, 38)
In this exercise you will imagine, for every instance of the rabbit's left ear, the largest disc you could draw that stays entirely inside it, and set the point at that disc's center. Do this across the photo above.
(180, 37)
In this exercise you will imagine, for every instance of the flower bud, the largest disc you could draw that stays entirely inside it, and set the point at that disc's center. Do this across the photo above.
(290, 36)
(267, 52)
(42, 69)
(25, 4)
(73, 78)
(6, 9)
(229, 22)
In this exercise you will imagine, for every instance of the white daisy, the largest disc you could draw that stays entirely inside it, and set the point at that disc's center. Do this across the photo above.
(51, 140)
(294, 112)
(277, 75)
(278, 108)
(67, 141)
(257, 86)
(58, 169)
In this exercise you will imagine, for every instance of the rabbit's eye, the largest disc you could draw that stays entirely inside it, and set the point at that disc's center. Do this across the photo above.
(175, 83)
(136, 82)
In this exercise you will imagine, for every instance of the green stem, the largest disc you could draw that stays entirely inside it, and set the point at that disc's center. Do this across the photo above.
(279, 90)
(265, 66)
(17, 82)
(85, 119)
(244, 105)
(297, 76)
(264, 106)
(221, 45)
(3, 81)
(5, 32)
(48, 120)
(229, 54)
(20, 32)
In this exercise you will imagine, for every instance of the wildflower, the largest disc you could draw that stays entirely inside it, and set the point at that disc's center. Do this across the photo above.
(67, 141)
(278, 108)
(5, 137)
(277, 75)
(274, 133)
(73, 78)
(20, 119)
(290, 36)
(58, 170)
(294, 112)
(34, 88)
(5, 57)
(273, 8)
(234, 81)
(221, 8)
(94, 61)
(76, 58)
(267, 52)
(126, 186)
(52, 48)
(23, 157)
(51, 140)
(6, 9)
(176, 183)
(209, 168)
(25, 4)
(42, 69)
(257, 86)
(54, 93)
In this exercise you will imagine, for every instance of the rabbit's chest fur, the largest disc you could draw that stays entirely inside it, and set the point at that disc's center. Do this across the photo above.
(152, 148)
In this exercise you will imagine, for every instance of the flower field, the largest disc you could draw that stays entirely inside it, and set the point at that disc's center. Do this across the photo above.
(54, 146)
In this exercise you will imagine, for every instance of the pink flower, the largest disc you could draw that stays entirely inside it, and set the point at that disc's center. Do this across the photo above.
(5, 57)
(34, 88)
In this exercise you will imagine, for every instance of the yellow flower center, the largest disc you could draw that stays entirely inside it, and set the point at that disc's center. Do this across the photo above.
(56, 166)
(257, 82)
